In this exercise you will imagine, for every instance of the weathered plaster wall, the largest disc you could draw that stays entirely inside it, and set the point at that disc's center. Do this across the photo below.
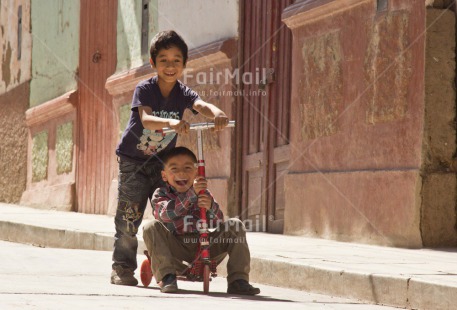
(51, 154)
(440, 4)
(55, 51)
(129, 23)
(199, 22)
(357, 117)
(439, 189)
(321, 91)
(40, 156)
(13, 143)
(14, 71)
(14, 97)
(64, 148)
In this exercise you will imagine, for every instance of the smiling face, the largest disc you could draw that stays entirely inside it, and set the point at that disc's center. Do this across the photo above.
(169, 64)
(180, 172)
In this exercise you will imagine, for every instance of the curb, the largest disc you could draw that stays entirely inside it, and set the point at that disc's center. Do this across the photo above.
(376, 289)
(54, 238)
(396, 291)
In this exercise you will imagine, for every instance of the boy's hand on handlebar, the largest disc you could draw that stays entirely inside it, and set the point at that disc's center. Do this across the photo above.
(220, 121)
(205, 201)
(180, 126)
(200, 184)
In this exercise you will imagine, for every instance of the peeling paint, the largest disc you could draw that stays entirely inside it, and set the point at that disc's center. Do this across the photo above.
(64, 148)
(321, 90)
(129, 35)
(55, 50)
(6, 65)
(388, 60)
(40, 156)
(15, 63)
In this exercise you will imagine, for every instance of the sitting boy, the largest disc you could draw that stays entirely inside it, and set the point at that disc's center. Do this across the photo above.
(171, 237)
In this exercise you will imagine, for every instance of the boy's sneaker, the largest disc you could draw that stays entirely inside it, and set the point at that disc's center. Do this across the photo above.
(123, 276)
(169, 284)
(242, 287)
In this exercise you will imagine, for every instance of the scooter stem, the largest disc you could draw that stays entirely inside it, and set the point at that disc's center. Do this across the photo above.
(204, 224)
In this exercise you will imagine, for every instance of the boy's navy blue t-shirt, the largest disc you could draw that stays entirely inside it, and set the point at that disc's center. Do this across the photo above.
(139, 144)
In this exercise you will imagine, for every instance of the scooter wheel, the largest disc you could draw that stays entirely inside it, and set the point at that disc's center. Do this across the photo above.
(206, 275)
(146, 273)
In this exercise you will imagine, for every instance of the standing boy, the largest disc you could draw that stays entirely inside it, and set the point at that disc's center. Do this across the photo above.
(157, 103)
(172, 237)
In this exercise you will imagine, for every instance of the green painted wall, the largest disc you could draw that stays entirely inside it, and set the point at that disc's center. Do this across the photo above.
(40, 156)
(64, 148)
(129, 33)
(124, 116)
(55, 48)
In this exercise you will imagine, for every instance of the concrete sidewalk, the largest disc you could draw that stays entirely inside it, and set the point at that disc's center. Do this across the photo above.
(418, 279)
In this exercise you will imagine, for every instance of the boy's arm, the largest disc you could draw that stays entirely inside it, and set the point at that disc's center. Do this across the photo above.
(152, 122)
(211, 111)
(214, 214)
(169, 207)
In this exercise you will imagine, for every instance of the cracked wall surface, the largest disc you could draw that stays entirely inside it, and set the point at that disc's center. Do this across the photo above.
(439, 181)
(321, 90)
(388, 68)
(55, 49)
(15, 63)
(15, 73)
(355, 169)
(13, 143)
(129, 22)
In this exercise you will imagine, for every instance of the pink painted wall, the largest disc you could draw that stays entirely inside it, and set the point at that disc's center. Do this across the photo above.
(357, 118)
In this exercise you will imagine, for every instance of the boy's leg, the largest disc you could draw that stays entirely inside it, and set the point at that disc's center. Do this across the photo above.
(166, 250)
(230, 237)
(134, 190)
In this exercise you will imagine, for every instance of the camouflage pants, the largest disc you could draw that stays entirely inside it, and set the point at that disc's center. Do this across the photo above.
(137, 183)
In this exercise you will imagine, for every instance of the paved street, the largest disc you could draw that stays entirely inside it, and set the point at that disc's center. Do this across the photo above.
(48, 278)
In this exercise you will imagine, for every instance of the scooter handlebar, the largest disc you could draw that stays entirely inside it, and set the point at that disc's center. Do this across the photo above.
(197, 126)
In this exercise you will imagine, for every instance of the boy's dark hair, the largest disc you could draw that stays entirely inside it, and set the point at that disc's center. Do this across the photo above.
(165, 40)
(179, 150)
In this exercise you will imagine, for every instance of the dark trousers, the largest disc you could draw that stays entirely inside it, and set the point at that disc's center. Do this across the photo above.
(137, 183)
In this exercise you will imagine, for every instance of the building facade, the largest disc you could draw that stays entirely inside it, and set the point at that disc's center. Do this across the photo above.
(345, 109)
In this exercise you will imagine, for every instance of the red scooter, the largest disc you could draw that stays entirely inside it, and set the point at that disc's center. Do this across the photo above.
(202, 268)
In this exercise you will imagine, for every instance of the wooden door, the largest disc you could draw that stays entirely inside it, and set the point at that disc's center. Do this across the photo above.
(266, 49)
(95, 116)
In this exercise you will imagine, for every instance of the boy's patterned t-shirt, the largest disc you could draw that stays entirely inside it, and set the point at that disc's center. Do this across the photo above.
(140, 144)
